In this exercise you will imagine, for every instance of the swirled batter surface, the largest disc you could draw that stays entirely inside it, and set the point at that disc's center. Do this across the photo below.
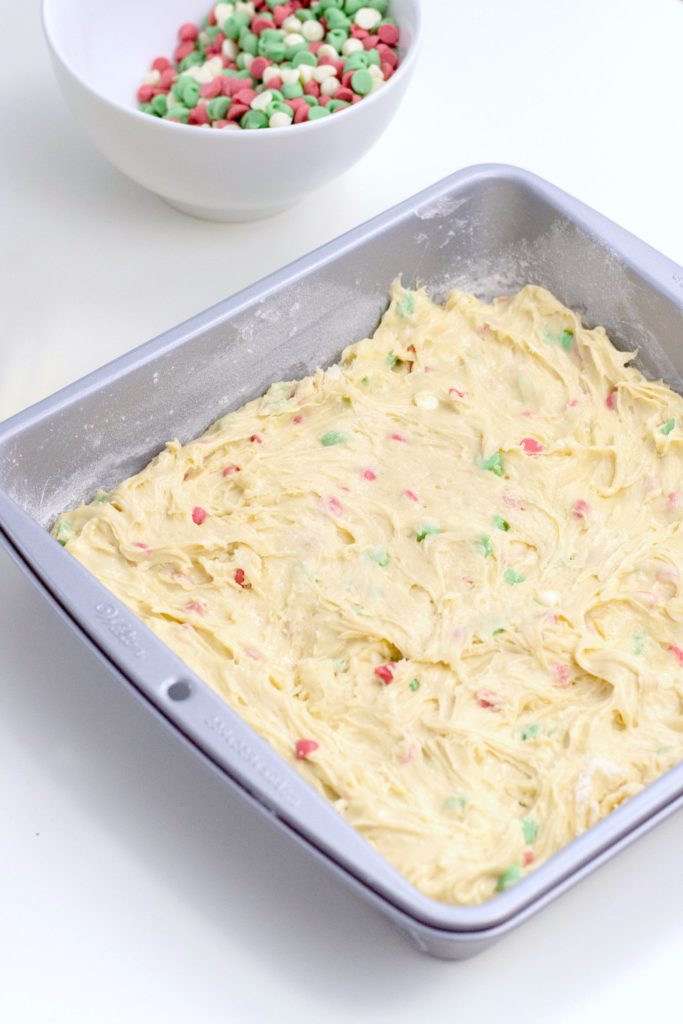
(441, 578)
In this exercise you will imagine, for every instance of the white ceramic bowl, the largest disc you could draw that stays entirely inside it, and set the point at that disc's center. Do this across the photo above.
(100, 53)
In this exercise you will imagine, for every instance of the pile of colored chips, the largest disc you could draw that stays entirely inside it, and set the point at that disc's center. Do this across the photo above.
(265, 64)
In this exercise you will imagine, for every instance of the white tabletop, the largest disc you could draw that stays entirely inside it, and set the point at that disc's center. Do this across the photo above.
(133, 887)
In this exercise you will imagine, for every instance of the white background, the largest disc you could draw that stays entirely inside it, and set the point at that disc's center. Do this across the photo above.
(133, 888)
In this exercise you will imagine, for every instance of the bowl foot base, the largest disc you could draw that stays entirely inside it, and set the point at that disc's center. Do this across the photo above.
(227, 216)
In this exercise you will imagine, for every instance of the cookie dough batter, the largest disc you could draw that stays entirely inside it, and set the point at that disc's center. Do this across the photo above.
(441, 578)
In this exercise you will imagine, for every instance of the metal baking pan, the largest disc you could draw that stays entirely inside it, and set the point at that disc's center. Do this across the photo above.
(489, 229)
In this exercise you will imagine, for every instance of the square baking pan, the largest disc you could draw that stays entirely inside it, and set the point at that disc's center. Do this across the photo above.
(488, 229)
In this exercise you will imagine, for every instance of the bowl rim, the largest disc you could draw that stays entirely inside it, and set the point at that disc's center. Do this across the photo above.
(403, 71)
